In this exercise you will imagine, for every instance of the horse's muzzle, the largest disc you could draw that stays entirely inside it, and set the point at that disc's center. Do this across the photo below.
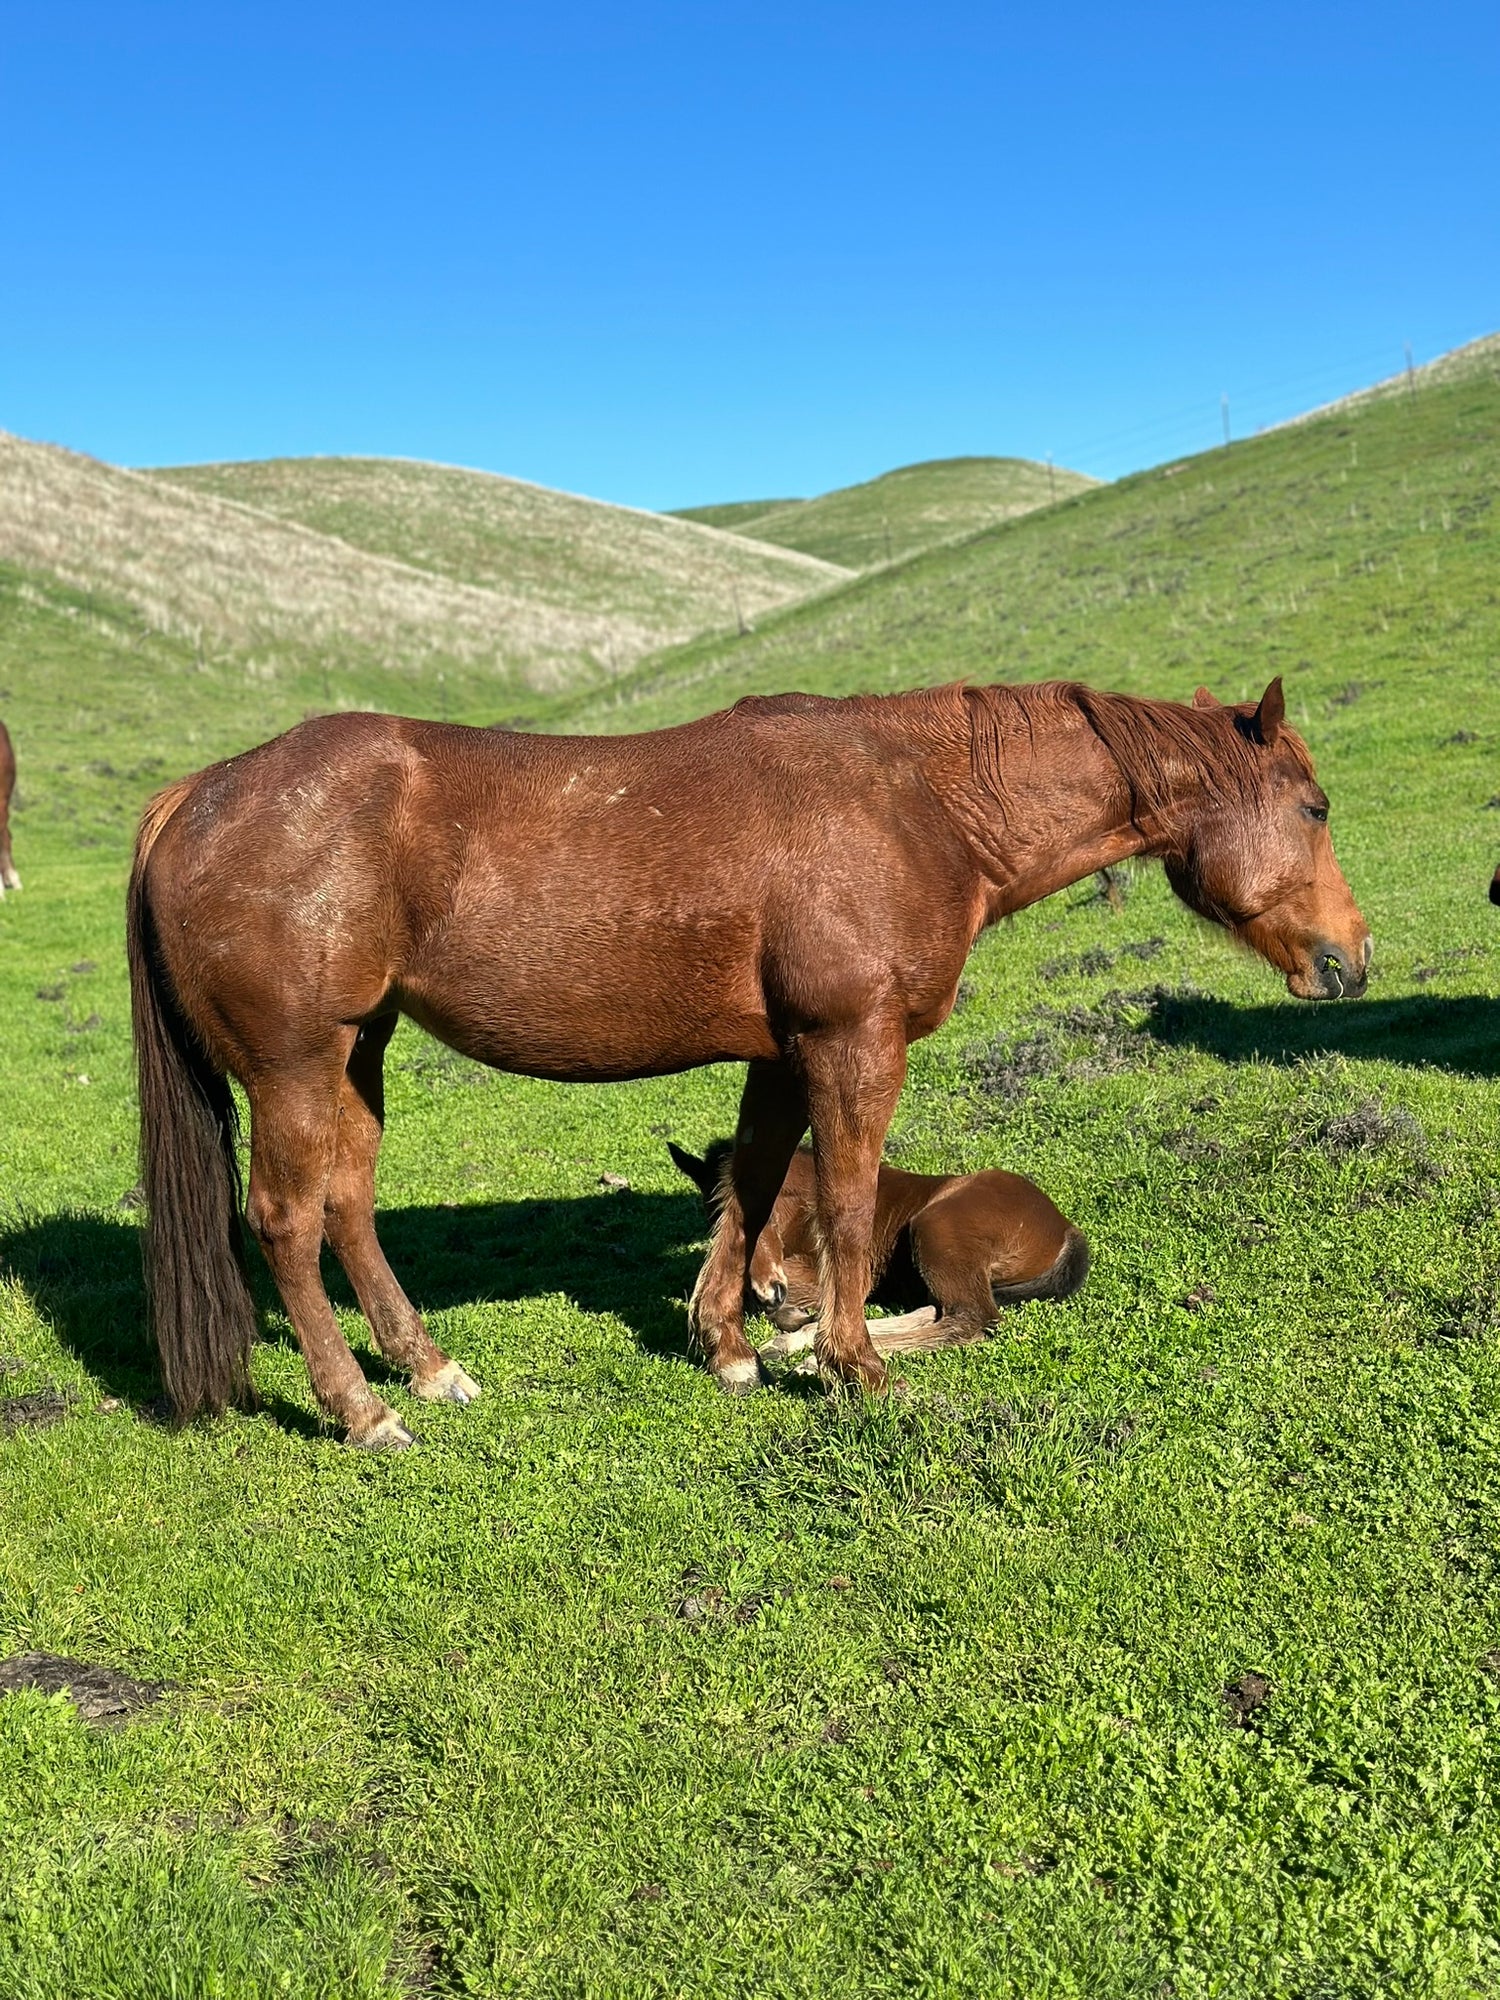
(1335, 973)
(1495, 887)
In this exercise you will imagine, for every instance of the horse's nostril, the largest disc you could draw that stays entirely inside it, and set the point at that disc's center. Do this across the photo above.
(1369, 951)
(778, 1294)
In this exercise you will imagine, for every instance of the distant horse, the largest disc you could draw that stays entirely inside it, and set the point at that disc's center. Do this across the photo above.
(9, 879)
(965, 1245)
(794, 883)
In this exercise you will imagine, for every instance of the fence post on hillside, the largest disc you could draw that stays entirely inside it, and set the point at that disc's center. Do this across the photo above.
(1224, 408)
(1051, 479)
(1411, 374)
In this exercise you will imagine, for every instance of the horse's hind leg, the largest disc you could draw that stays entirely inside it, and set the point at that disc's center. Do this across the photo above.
(773, 1117)
(349, 1225)
(293, 1140)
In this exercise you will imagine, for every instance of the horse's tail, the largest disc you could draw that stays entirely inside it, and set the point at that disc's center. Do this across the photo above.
(1061, 1279)
(202, 1314)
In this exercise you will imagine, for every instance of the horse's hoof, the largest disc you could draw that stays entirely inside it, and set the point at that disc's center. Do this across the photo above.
(739, 1378)
(449, 1385)
(388, 1433)
(861, 1377)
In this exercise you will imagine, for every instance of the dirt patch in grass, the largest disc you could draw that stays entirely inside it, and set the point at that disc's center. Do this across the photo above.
(1073, 1044)
(1245, 1698)
(37, 1410)
(98, 1693)
(1089, 964)
(1371, 1127)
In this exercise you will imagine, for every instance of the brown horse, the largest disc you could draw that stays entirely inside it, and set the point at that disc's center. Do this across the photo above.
(9, 879)
(794, 884)
(950, 1249)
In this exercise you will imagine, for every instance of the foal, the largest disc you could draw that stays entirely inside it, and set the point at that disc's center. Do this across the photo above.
(9, 879)
(966, 1244)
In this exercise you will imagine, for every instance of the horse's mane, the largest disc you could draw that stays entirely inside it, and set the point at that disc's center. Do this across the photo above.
(1156, 745)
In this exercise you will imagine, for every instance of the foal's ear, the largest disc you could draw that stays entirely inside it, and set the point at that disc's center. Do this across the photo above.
(688, 1163)
(1265, 724)
(1203, 699)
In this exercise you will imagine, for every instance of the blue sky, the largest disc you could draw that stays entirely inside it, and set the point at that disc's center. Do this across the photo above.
(669, 254)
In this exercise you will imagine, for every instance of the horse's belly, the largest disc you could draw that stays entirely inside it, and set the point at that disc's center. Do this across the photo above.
(597, 1005)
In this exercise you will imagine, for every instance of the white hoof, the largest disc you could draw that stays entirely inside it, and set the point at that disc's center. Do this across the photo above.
(738, 1378)
(390, 1434)
(449, 1385)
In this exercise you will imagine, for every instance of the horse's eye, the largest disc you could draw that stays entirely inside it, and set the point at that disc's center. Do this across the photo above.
(1319, 813)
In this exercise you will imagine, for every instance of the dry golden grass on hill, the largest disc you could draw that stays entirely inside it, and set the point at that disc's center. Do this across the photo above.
(572, 590)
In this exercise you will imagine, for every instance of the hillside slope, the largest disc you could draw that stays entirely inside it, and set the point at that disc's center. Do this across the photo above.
(1363, 541)
(584, 589)
(644, 572)
(915, 507)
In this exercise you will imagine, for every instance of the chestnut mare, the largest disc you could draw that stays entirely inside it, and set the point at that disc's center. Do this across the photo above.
(9, 879)
(967, 1244)
(794, 883)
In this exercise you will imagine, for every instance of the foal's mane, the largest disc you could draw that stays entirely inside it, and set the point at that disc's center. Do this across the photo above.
(1161, 748)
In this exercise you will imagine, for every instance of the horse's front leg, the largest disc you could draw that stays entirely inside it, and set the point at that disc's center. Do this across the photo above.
(773, 1118)
(853, 1078)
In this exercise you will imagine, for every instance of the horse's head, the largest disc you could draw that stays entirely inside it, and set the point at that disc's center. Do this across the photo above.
(1256, 858)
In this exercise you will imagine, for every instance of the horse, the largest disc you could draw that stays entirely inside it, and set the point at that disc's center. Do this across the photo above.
(9, 879)
(793, 883)
(953, 1249)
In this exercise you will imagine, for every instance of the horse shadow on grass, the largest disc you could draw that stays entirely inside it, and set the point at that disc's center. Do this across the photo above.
(630, 1254)
(1459, 1034)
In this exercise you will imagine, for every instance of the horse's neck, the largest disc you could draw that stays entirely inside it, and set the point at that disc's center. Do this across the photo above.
(1066, 812)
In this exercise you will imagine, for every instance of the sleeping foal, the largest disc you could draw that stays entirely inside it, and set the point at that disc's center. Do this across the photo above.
(950, 1248)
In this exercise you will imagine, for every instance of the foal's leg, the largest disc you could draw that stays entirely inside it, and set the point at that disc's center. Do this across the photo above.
(349, 1225)
(293, 1139)
(773, 1117)
(9, 879)
(853, 1079)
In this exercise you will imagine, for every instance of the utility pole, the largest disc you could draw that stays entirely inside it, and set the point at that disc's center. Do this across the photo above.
(1051, 478)
(1411, 373)
(1224, 409)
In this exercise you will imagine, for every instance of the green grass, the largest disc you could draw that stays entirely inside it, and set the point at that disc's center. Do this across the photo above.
(953, 1719)
(899, 514)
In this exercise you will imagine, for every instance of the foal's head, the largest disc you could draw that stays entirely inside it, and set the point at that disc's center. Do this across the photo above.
(1255, 856)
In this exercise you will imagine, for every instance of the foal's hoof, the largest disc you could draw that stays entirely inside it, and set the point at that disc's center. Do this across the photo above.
(798, 1340)
(449, 1385)
(739, 1378)
(387, 1433)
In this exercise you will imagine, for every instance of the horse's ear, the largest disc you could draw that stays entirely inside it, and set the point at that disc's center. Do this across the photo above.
(1265, 726)
(1203, 699)
(688, 1163)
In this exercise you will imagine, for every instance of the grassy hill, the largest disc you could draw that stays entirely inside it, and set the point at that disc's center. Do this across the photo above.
(886, 519)
(647, 576)
(1151, 1647)
(455, 571)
